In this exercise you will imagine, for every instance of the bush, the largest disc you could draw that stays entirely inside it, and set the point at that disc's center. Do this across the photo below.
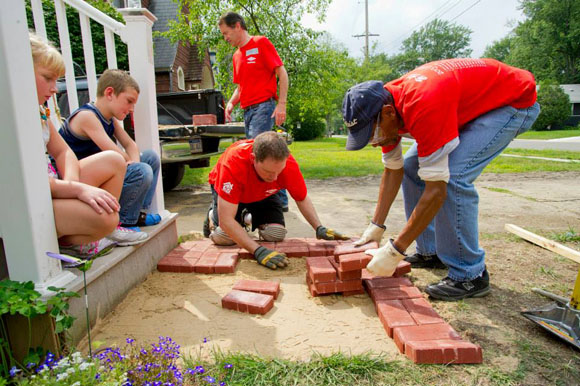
(311, 127)
(555, 105)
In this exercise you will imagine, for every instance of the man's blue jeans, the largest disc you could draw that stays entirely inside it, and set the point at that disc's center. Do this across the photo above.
(139, 187)
(258, 119)
(453, 233)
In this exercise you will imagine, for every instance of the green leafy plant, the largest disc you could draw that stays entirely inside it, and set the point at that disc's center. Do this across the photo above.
(20, 298)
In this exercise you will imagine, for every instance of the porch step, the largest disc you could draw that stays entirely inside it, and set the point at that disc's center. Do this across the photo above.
(112, 276)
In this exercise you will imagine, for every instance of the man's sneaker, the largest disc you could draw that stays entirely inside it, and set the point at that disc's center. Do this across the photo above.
(425, 261)
(125, 236)
(451, 290)
(90, 250)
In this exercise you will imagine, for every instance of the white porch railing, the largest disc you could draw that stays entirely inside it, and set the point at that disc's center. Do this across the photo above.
(27, 221)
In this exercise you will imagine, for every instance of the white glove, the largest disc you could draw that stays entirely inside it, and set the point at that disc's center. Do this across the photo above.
(373, 233)
(385, 259)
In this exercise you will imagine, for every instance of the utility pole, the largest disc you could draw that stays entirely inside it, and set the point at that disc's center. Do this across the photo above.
(366, 34)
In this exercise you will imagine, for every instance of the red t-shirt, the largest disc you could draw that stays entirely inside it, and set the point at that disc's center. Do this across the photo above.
(437, 99)
(235, 179)
(255, 71)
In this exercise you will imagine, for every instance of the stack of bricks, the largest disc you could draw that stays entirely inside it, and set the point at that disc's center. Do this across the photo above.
(342, 272)
(418, 331)
(204, 119)
(252, 296)
(200, 257)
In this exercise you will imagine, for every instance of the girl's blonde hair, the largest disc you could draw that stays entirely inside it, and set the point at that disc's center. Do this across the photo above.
(46, 55)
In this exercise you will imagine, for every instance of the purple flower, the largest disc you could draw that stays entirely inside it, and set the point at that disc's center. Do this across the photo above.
(65, 258)
(30, 365)
(130, 341)
(209, 379)
(228, 366)
(205, 340)
(223, 383)
(98, 376)
(199, 369)
(14, 370)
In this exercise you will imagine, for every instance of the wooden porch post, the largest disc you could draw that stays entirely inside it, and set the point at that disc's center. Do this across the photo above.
(27, 220)
(138, 36)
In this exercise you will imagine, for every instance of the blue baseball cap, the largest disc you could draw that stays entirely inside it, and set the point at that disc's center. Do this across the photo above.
(360, 106)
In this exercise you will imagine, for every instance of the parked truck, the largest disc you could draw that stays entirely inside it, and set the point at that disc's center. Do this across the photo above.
(182, 143)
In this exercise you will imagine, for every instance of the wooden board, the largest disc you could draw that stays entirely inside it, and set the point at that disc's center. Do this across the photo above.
(543, 242)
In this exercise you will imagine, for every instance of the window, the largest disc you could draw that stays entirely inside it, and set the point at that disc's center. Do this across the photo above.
(180, 79)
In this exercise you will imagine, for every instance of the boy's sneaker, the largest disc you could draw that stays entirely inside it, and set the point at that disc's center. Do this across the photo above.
(451, 290)
(90, 250)
(125, 236)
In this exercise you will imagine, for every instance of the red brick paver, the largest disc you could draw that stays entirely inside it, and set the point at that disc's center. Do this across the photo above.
(251, 302)
(443, 351)
(401, 292)
(393, 314)
(203, 119)
(347, 248)
(320, 269)
(387, 282)
(226, 263)
(353, 261)
(271, 288)
(345, 275)
(426, 332)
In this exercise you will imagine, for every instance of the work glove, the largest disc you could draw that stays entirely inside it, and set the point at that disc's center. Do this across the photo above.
(385, 259)
(269, 258)
(329, 234)
(372, 233)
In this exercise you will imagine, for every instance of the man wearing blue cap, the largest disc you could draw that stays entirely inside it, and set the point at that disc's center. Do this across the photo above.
(462, 114)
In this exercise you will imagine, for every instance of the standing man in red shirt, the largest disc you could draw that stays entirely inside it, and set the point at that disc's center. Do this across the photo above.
(462, 114)
(244, 183)
(256, 66)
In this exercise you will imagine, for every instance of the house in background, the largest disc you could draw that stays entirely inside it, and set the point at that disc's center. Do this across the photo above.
(178, 66)
(573, 92)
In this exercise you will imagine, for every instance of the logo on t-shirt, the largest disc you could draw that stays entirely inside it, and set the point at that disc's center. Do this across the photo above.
(228, 186)
(251, 59)
(418, 78)
(253, 51)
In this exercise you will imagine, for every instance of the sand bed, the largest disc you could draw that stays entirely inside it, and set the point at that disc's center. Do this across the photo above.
(187, 307)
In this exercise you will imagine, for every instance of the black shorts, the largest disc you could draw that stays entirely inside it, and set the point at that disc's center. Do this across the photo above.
(267, 211)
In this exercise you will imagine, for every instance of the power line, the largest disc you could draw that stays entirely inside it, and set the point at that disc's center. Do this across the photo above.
(401, 37)
(471, 6)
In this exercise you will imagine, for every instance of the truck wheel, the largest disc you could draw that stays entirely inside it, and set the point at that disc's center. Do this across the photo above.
(172, 175)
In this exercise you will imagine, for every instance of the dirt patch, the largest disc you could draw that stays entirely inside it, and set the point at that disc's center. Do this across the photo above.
(187, 307)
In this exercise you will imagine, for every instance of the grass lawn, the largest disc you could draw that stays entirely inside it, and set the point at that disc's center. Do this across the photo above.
(550, 134)
(327, 158)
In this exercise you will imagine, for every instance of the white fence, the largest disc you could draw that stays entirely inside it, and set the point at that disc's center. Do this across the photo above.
(26, 221)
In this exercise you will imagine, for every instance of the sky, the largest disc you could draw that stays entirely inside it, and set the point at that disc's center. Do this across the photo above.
(395, 20)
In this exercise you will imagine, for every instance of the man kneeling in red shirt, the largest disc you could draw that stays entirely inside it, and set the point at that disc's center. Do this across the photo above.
(243, 184)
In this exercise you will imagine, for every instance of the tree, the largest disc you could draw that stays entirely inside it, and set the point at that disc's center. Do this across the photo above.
(499, 49)
(555, 105)
(74, 28)
(548, 42)
(308, 61)
(438, 39)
